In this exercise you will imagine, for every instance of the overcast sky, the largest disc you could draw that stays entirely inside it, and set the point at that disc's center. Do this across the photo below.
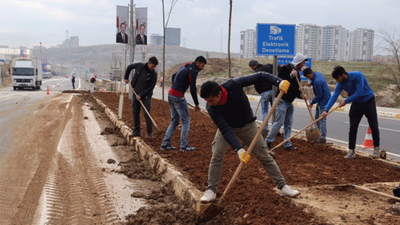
(203, 22)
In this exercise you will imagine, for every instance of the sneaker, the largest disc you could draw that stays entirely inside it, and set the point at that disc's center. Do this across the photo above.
(351, 154)
(288, 191)
(269, 145)
(187, 149)
(264, 132)
(322, 141)
(150, 136)
(376, 153)
(290, 148)
(208, 196)
(167, 147)
(135, 134)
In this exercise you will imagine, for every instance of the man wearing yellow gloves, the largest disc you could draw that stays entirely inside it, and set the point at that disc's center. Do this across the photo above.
(230, 110)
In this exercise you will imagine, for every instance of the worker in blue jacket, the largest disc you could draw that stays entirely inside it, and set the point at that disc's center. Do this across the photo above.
(363, 103)
(322, 94)
(229, 108)
(184, 78)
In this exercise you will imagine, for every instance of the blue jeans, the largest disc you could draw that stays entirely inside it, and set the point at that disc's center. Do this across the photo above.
(322, 123)
(284, 116)
(179, 109)
(266, 100)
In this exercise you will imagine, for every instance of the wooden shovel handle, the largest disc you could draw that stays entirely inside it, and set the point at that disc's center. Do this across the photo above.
(250, 149)
(309, 110)
(130, 85)
(298, 132)
(375, 192)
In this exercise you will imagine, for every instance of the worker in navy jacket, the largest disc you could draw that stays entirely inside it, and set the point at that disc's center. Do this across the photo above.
(184, 78)
(284, 109)
(322, 94)
(264, 89)
(230, 110)
(363, 103)
(143, 82)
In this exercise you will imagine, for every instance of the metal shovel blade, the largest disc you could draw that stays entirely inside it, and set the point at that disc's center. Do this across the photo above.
(312, 134)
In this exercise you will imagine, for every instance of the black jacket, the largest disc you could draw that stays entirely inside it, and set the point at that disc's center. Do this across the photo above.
(236, 112)
(73, 79)
(263, 86)
(294, 89)
(151, 78)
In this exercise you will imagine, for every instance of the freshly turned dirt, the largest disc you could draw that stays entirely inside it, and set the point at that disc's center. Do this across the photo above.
(254, 194)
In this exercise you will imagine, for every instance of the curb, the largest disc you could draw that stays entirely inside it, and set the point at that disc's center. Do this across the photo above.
(183, 188)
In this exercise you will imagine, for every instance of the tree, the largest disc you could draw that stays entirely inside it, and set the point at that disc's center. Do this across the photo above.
(165, 25)
(229, 37)
(391, 44)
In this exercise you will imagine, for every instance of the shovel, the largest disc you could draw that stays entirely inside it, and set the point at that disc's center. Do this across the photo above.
(213, 209)
(311, 134)
(130, 85)
(298, 132)
(371, 191)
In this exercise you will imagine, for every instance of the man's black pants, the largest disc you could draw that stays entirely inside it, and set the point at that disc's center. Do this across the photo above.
(136, 106)
(357, 111)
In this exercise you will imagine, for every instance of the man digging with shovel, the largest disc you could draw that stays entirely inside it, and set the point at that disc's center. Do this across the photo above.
(230, 110)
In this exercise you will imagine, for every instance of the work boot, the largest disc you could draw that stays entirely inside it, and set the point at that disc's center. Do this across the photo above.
(135, 134)
(322, 141)
(167, 147)
(291, 148)
(376, 153)
(187, 149)
(289, 191)
(208, 196)
(268, 144)
(150, 136)
(351, 154)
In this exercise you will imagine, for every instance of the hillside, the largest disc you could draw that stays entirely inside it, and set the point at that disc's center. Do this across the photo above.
(99, 58)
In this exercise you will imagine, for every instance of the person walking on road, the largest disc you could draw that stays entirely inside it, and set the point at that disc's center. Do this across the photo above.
(73, 82)
(92, 81)
(322, 94)
(184, 78)
(230, 110)
(284, 109)
(363, 103)
(143, 82)
(264, 89)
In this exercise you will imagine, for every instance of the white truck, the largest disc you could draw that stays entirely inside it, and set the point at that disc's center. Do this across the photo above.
(26, 73)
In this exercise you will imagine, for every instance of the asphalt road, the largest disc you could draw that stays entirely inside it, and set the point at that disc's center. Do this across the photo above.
(337, 126)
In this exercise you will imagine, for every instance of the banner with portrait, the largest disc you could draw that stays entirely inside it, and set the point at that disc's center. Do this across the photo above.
(122, 24)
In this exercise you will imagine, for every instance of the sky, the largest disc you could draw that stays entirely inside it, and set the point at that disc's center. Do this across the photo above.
(203, 23)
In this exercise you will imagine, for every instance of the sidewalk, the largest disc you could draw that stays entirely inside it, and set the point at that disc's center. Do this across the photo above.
(383, 112)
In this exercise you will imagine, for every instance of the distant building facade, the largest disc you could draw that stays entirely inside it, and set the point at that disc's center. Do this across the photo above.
(74, 41)
(331, 42)
(156, 39)
(248, 44)
(173, 36)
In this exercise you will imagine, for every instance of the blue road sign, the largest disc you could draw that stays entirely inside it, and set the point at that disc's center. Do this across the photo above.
(285, 60)
(276, 39)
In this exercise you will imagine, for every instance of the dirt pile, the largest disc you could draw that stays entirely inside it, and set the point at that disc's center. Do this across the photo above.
(254, 194)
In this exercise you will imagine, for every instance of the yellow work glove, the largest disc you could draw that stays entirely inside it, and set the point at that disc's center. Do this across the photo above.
(284, 86)
(243, 157)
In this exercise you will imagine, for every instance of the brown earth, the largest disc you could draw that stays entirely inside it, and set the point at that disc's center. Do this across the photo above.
(314, 170)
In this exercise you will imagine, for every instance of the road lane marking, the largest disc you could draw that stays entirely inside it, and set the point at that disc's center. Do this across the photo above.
(380, 128)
